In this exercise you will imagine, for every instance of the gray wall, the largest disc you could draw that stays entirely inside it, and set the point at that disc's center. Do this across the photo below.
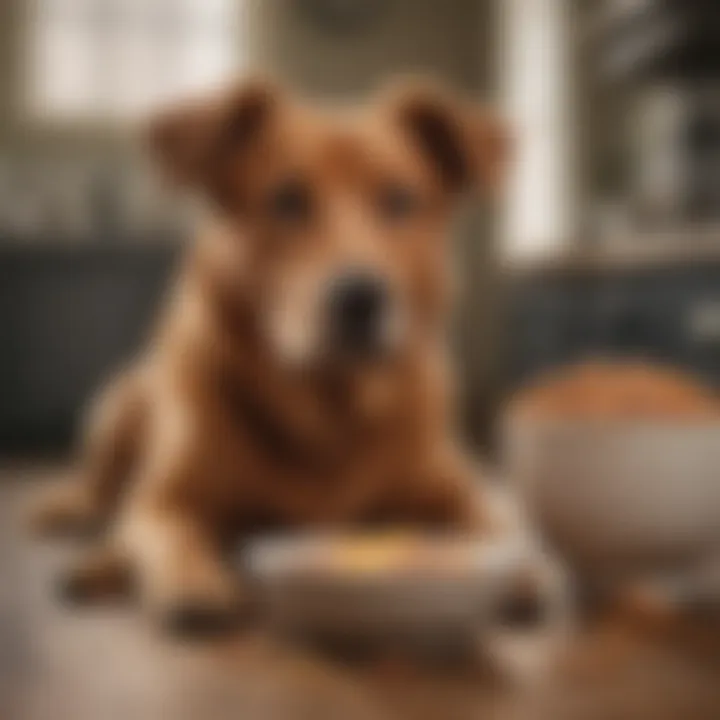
(438, 36)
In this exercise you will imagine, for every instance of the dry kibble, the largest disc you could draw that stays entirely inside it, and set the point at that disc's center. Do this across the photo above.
(616, 391)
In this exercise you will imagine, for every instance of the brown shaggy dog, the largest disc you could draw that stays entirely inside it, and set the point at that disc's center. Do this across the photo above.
(297, 378)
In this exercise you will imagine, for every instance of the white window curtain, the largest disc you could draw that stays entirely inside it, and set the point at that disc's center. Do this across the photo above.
(113, 59)
(536, 78)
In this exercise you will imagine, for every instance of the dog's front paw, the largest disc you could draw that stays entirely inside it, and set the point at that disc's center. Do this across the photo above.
(64, 510)
(202, 611)
(196, 618)
(103, 574)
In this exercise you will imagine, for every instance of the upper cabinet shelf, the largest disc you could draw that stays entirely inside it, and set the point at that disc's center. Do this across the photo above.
(638, 39)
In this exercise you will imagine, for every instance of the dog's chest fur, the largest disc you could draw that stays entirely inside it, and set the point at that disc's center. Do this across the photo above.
(332, 457)
(301, 447)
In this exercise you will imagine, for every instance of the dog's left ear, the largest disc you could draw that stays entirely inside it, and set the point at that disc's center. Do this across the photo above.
(466, 145)
(195, 143)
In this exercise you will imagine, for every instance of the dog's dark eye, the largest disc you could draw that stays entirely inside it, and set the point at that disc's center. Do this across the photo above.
(397, 202)
(290, 202)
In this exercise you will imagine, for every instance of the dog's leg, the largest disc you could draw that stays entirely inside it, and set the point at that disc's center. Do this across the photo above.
(171, 561)
(180, 573)
(174, 522)
(113, 429)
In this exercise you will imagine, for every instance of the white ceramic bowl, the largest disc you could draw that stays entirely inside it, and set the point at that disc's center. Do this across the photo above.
(617, 495)
(457, 594)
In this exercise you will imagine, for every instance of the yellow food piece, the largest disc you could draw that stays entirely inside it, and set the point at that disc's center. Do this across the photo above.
(373, 553)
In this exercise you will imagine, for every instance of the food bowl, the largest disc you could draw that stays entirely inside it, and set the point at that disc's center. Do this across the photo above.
(616, 496)
(431, 592)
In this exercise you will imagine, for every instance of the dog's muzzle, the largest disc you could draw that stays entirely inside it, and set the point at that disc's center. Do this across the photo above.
(358, 309)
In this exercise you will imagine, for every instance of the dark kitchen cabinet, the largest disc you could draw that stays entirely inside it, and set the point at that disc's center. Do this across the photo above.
(667, 314)
(68, 317)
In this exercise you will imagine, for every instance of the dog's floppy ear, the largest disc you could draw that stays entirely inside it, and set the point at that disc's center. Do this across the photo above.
(467, 146)
(192, 142)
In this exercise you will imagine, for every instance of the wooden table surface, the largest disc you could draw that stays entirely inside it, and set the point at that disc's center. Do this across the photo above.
(107, 662)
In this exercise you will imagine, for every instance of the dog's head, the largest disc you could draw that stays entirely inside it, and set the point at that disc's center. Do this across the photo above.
(342, 215)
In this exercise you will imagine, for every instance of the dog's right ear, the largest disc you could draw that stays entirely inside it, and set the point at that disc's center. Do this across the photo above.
(467, 146)
(194, 142)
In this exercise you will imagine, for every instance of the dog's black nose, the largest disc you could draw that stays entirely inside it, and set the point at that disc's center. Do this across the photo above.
(524, 607)
(358, 303)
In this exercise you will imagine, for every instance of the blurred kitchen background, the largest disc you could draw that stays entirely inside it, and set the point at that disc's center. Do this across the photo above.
(608, 241)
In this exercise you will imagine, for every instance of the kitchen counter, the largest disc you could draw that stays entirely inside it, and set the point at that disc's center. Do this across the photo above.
(630, 253)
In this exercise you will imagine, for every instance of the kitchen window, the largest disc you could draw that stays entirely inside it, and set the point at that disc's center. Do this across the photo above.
(115, 59)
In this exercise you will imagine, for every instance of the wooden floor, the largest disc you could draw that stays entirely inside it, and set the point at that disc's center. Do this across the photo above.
(107, 663)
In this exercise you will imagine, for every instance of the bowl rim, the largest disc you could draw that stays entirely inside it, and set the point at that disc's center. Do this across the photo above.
(639, 424)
